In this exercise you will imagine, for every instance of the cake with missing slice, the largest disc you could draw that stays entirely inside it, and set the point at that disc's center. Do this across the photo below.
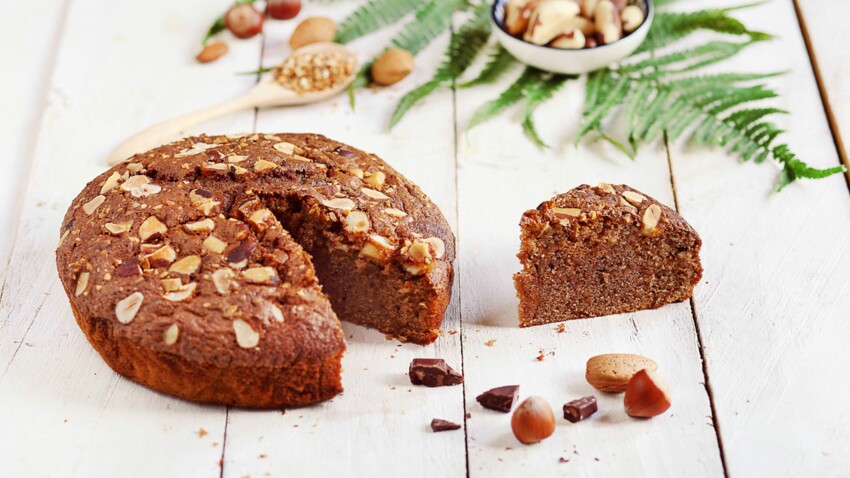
(603, 250)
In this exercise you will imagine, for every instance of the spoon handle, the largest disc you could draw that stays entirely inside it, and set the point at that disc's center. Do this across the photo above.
(160, 133)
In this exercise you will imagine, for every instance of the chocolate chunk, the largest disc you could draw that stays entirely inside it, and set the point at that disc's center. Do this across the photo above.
(500, 399)
(128, 268)
(439, 425)
(433, 373)
(241, 252)
(344, 153)
(203, 193)
(578, 410)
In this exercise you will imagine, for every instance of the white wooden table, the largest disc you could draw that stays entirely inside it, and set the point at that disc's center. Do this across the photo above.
(757, 361)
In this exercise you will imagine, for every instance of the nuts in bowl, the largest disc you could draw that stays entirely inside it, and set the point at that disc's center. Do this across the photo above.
(571, 36)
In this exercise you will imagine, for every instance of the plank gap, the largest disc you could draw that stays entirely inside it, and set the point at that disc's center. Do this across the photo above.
(824, 94)
(715, 422)
(457, 259)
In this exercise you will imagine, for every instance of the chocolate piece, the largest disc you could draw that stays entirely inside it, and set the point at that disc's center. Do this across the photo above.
(433, 373)
(439, 425)
(500, 399)
(578, 410)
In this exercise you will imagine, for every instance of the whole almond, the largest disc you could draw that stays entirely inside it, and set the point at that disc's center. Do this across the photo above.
(312, 30)
(212, 52)
(612, 372)
(392, 66)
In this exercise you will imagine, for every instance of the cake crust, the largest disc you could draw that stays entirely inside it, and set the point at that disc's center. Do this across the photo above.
(603, 250)
(189, 267)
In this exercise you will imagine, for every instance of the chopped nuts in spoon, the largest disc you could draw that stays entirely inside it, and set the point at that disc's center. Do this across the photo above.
(305, 72)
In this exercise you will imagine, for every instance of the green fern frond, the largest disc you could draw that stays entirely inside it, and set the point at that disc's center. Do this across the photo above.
(371, 16)
(462, 50)
(537, 94)
(670, 27)
(498, 64)
(684, 60)
(793, 168)
(512, 95)
(431, 19)
(604, 93)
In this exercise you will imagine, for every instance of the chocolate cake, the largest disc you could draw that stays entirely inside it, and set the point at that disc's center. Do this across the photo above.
(214, 268)
(603, 250)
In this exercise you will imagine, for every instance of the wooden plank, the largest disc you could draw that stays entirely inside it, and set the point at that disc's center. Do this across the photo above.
(380, 425)
(119, 68)
(773, 305)
(25, 60)
(502, 174)
(822, 25)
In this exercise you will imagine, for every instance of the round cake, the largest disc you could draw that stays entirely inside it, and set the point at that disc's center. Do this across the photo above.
(215, 268)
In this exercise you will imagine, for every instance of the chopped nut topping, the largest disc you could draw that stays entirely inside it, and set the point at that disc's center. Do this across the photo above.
(238, 170)
(246, 337)
(374, 194)
(357, 221)
(135, 167)
(262, 165)
(276, 312)
(607, 188)
(216, 167)
(214, 244)
(262, 219)
(117, 228)
(171, 334)
(339, 203)
(378, 248)
(62, 238)
(196, 148)
(391, 211)
(420, 252)
(260, 275)
(111, 182)
(170, 285)
(151, 228)
(376, 179)
(135, 182)
(204, 225)
(182, 294)
(438, 245)
(236, 158)
(92, 205)
(633, 197)
(223, 280)
(650, 219)
(162, 257)
(145, 190)
(82, 283)
(562, 212)
(187, 265)
(357, 172)
(127, 308)
(285, 148)
(203, 200)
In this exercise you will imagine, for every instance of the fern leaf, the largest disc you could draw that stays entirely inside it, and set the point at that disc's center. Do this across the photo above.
(499, 63)
(411, 98)
(431, 19)
(371, 16)
(793, 168)
(513, 94)
(463, 47)
(670, 27)
(537, 94)
(610, 93)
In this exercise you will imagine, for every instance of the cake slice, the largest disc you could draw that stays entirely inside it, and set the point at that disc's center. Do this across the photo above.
(603, 250)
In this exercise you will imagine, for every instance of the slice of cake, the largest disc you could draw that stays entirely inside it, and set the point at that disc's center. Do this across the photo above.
(603, 250)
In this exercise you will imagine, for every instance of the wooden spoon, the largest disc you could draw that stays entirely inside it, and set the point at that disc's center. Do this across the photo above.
(266, 93)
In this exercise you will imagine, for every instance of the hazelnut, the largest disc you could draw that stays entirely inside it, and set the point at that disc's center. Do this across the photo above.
(533, 421)
(312, 30)
(646, 395)
(392, 66)
(127, 308)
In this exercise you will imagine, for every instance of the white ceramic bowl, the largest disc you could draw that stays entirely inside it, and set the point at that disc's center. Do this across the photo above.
(564, 61)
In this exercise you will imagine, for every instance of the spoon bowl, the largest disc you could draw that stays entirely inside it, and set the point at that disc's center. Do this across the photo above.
(565, 61)
(267, 93)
